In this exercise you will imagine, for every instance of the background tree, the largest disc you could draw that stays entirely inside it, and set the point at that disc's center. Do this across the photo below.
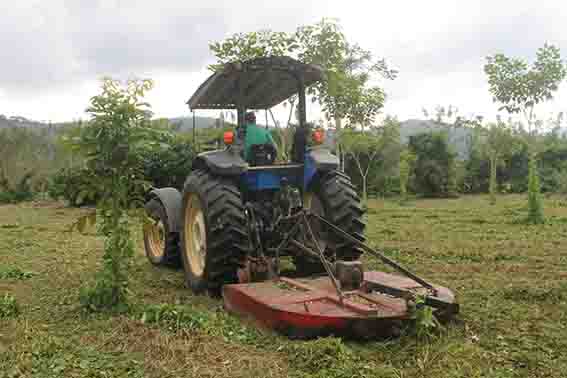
(434, 164)
(499, 142)
(520, 87)
(407, 160)
(376, 150)
(346, 94)
(363, 147)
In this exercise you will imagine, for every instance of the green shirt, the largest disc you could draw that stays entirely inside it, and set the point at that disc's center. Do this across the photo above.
(256, 135)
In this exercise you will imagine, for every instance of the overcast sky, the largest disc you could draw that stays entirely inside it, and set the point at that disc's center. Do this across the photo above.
(53, 52)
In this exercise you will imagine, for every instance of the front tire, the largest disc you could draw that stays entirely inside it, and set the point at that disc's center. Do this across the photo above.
(214, 241)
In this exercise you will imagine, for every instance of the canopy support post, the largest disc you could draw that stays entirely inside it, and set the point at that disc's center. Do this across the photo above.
(302, 105)
(194, 134)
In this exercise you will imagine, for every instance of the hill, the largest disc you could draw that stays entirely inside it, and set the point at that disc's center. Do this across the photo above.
(17, 121)
(185, 124)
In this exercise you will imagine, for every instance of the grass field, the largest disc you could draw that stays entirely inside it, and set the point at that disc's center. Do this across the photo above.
(511, 280)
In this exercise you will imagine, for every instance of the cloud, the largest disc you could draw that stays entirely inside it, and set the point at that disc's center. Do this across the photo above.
(440, 47)
(47, 45)
(52, 52)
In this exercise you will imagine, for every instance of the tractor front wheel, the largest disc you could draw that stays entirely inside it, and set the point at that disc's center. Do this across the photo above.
(214, 241)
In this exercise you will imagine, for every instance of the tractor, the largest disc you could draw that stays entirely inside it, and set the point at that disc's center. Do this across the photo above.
(241, 210)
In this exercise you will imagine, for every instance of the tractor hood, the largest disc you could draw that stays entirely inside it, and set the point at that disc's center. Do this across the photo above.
(259, 83)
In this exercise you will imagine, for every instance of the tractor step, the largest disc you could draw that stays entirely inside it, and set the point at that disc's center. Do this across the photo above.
(311, 307)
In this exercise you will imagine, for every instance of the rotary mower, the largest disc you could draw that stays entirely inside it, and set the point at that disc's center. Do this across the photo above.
(241, 214)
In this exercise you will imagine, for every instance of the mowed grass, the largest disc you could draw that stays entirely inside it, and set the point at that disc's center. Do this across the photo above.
(511, 281)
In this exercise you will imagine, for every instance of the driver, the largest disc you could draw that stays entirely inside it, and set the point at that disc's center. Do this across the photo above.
(255, 135)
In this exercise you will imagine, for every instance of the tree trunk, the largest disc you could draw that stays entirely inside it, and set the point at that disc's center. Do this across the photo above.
(364, 191)
(492, 184)
(338, 127)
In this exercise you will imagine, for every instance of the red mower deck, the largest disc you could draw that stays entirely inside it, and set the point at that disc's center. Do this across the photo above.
(305, 308)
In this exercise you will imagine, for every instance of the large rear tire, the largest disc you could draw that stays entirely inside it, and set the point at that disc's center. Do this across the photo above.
(333, 197)
(214, 240)
(161, 245)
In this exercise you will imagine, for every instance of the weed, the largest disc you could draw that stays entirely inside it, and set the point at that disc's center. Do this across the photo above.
(50, 357)
(8, 307)
(534, 294)
(176, 318)
(330, 357)
(15, 274)
(425, 323)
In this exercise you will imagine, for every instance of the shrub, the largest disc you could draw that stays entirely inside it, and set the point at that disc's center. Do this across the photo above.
(168, 167)
(156, 165)
(73, 184)
(434, 169)
(19, 193)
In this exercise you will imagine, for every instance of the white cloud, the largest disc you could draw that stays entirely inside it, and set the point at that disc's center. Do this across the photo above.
(53, 52)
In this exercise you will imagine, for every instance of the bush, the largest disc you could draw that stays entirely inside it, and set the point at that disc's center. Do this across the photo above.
(168, 167)
(434, 168)
(157, 166)
(21, 192)
(73, 184)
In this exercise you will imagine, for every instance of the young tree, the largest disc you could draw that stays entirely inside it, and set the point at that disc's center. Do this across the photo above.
(363, 147)
(367, 148)
(520, 87)
(407, 160)
(119, 124)
(499, 142)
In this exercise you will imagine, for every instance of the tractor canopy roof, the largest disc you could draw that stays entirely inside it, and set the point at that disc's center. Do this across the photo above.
(255, 84)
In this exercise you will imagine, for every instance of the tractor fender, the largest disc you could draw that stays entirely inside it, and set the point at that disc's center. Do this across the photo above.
(323, 159)
(318, 160)
(171, 200)
(221, 162)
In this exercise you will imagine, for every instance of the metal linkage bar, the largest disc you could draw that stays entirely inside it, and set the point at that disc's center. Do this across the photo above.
(324, 261)
(431, 301)
(374, 253)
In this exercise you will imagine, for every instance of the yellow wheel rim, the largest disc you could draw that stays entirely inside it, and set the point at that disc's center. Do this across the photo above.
(155, 236)
(195, 235)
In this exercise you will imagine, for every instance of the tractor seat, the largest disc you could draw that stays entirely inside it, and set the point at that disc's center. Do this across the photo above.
(262, 154)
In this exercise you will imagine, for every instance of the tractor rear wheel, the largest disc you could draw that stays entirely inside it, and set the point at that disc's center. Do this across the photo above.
(333, 197)
(214, 239)
(161, 245)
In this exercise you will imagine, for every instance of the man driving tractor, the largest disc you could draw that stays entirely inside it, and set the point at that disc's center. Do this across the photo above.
(256, 136)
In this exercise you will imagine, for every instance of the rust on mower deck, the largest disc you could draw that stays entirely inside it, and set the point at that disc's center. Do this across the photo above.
(310, 307)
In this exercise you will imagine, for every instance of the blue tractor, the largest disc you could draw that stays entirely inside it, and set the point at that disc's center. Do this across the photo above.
(234, 218)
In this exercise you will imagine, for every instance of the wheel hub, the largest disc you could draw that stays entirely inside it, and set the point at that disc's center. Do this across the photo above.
(195, 231)
(155, 234)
